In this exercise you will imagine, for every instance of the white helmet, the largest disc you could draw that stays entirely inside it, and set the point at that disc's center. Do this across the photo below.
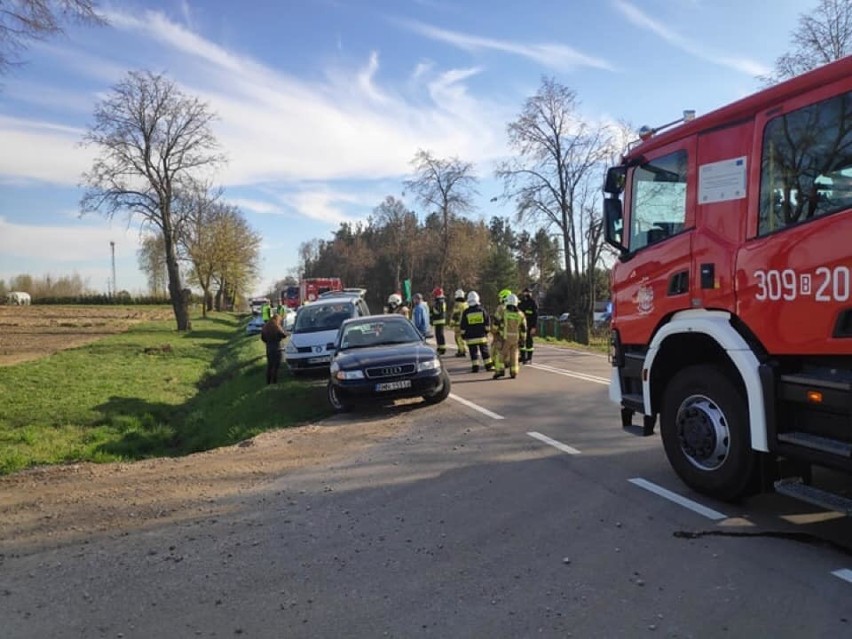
(473, 298)
(458, 295)
(512, 300)
(394, 299)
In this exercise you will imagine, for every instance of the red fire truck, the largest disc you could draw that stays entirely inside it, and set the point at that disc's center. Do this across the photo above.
(732, 313)
(312, 287)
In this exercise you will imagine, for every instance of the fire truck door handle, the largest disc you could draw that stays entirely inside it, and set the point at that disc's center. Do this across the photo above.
(679, 283)
(708, 275)
(843, 326)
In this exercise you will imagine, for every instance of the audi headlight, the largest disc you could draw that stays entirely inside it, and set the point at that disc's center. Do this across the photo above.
(429, 365)
(343, 375)
(291, 348)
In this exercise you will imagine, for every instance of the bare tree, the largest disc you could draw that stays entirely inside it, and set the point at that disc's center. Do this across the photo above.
(22, 21)
(558, 165)
(398, 228)
(823, 35)
(444, 186)
(154, 141)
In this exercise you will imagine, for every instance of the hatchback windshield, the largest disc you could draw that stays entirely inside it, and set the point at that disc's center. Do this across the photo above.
(323, 317)
(379, 332)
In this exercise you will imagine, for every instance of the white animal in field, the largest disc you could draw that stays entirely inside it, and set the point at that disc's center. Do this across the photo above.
(18, 298)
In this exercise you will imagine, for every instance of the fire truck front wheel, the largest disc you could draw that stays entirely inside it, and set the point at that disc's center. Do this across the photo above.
(705, 430)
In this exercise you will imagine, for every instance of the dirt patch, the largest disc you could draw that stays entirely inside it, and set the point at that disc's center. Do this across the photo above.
(32, 332)
(62, 504)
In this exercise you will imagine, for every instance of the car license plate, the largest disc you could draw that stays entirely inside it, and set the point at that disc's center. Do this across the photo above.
(319, 360)
(391, 386)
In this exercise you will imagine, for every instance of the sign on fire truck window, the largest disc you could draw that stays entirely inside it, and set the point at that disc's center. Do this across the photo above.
(806, 168)
(722, 181)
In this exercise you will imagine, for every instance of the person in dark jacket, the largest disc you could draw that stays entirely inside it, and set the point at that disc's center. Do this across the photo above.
(438, 318)
(272, 333)
(475, 326)
(529, 308)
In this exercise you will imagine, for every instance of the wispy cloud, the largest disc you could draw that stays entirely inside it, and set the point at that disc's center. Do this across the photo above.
(643, 21)
(551, 55)
(75, 242)
(278, 127)
(43, 151)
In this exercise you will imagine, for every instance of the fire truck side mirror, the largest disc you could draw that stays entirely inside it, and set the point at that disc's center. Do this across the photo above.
(615, 179)
(614, 224)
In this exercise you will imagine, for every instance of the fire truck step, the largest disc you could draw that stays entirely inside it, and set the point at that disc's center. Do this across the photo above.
(824, 499)
(816, 442)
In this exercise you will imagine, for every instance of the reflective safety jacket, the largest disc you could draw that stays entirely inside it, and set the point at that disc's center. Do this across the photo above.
(458, 308)
(402, 310)
(438, 311)
(497, 321)
(514, 325)
(475, 324)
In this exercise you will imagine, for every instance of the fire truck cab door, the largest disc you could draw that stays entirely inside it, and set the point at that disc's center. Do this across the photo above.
(654, 275)
(794, 273)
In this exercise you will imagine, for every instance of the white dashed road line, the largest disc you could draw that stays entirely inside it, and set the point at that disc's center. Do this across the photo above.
(694, 506)
(584, 376)
(475, 407)
(845, 574)
(565, 448)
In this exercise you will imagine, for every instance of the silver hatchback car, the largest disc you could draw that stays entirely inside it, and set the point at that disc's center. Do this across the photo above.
(311, 343)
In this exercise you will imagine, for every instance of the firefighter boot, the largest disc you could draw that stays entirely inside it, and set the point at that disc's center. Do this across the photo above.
(499, 374)
(474, 368)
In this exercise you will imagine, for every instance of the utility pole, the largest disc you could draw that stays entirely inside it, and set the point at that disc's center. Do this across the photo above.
(112, 250)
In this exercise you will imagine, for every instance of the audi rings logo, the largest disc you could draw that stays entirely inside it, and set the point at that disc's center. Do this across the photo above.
(392, 370)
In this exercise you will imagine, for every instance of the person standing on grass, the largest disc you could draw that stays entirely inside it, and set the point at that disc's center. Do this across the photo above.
(272, 333)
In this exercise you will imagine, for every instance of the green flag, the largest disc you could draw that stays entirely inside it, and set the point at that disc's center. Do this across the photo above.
(406, 290)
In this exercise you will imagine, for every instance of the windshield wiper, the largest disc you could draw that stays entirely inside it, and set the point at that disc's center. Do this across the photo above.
(392, 342)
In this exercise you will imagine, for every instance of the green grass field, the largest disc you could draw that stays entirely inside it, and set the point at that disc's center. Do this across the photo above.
(149, 392)
(597, 343)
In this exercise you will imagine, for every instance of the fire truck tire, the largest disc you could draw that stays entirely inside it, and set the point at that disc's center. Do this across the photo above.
(704, 425)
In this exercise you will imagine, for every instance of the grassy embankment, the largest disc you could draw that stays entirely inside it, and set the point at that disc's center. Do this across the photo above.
(598, 343)
(149, 392)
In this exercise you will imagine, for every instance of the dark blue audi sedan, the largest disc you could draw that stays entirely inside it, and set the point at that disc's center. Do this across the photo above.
(380, 358)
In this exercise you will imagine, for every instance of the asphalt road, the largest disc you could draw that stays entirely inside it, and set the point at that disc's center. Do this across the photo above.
(516, 508)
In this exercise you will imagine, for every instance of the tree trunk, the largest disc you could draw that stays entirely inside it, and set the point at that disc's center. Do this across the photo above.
(179, 304)
(219, 293)
(207, 301)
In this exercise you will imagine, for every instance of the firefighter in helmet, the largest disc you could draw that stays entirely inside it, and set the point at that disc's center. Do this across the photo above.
(513, 330)
(529, 308)
(497, 331)
(438, 318)
(474, 326)
(396, 307)
(459, 306)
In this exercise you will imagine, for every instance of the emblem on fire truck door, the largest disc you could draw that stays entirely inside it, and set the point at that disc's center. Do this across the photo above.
(644, 298)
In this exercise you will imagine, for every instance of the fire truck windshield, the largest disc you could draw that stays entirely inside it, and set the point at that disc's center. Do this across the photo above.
(659, 200)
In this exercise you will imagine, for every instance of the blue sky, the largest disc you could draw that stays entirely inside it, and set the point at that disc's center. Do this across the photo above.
(322, 104)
